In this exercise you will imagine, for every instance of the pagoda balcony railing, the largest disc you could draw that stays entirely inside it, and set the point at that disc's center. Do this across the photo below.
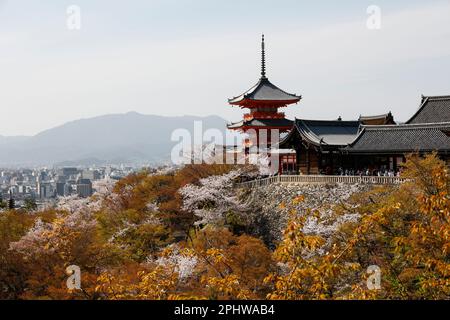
(264, 115)
(321, 179)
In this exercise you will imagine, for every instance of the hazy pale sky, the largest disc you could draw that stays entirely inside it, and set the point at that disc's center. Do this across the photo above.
(177, 57)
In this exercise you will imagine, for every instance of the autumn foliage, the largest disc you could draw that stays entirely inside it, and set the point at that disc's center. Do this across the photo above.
(186, 234)
(404, 231)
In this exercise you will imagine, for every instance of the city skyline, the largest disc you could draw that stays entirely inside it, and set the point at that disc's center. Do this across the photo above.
(150, 58)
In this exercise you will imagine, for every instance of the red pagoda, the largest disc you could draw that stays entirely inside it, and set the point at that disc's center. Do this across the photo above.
(263, 101)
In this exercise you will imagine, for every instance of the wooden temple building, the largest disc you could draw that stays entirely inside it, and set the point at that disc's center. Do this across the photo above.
(370, 145)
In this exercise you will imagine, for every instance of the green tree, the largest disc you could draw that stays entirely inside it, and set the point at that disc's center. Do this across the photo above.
(30, 204)
(11, 203)
(3, 205)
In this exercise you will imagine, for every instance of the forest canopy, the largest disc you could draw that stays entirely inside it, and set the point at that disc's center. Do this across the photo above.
(191, 234)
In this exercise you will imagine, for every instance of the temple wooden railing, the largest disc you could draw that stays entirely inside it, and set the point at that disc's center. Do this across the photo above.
(319, 179)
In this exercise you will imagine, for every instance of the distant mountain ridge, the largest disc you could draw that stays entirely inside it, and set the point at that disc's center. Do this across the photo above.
(116, 138)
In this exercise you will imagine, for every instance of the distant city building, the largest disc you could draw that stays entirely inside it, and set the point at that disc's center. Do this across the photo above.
(67, 172)
(84, 188)
(45, 190)
(116, 175)
(22, 189)
(62, 189)
(92, 175)
(42, 176)
(44, 185)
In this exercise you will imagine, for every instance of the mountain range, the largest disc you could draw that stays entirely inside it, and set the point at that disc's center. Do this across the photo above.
(130, 138)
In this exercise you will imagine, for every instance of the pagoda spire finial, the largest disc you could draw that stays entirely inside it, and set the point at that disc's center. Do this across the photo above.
(263, 59)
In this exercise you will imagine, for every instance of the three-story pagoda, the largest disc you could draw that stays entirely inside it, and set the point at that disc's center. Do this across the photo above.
(263, 100)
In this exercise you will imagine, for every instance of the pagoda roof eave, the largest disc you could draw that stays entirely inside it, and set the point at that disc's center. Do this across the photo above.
(252, 103)
(282, 124)
(265, 92)
(261, 128)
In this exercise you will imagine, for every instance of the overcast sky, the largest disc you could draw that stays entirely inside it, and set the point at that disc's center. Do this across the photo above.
(177, 57)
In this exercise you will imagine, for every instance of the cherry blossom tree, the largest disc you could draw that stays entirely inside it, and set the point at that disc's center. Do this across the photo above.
(213, 199)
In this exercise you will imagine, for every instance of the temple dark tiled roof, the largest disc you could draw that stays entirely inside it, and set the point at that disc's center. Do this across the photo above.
(262, 123)
(433, 109)
(381, 119)
(264, 90)
(325, 132)
(402, 139)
